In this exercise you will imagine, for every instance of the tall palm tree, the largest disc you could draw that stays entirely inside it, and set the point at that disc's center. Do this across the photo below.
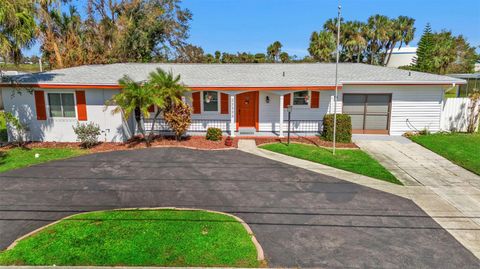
(274, 50)
(378, 37)
(402, 31)
(322, 45)
(17, 27)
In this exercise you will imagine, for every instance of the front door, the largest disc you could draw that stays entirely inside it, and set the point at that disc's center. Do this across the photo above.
(247, 109)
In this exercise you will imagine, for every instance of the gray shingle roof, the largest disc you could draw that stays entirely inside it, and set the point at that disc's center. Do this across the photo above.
(238, 75)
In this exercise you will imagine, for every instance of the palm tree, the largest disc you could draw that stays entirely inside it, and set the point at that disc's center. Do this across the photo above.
(379, 27)
(284, 57)
(17, 28)
(273, 51)
(135, 99)
(322, 46)
(354, 39)
(402, 31)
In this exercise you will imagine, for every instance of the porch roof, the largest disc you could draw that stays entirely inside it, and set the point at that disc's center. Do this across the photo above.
(235, 75)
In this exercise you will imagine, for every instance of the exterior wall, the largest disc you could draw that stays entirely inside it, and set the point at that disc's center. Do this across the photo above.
(413, 107)
(113, 127)
(269, 114)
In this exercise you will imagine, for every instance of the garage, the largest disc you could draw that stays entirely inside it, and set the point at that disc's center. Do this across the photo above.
(370, 113)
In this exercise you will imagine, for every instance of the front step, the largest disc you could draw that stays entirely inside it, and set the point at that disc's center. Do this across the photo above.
(246, 130)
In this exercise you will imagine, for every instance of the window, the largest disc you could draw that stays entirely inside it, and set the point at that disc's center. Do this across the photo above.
(210, 101)
(301, 98)
(61, 105)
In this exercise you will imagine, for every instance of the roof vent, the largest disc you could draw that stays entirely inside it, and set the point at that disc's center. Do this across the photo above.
(409, 73)
(283, 73)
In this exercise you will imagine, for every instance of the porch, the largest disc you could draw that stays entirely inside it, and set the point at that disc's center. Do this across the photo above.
(260, 112)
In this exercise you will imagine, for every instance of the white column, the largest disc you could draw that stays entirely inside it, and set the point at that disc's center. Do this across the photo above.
(232, 115)
(281, 116)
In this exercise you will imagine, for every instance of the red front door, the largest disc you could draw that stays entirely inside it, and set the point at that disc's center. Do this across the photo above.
(247, 109)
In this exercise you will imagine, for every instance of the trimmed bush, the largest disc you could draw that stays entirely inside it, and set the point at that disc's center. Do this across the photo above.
(214, 134)
(87, 134)
(344, 128)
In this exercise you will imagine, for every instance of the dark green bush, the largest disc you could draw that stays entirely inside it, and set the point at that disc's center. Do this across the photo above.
(344, 128)
(214, 134)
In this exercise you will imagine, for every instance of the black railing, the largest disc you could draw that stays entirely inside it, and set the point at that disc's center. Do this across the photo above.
(195, 125)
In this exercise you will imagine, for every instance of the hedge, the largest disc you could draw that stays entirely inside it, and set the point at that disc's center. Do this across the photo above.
(214, 134)
(344, 128)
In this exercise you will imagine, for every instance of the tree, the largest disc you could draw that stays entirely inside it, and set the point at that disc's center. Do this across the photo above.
(168, 89)
(284, 57)
(274, 50)
(353, 41)
(178, 117)
(190, 54)
(423, 61)
(218, 55)
(379, 27)
(322, 46)
(17, 28)
(402, 31)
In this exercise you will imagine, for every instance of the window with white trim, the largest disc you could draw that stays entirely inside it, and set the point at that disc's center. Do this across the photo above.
(61, 105)
(301, 98)
(210, 101)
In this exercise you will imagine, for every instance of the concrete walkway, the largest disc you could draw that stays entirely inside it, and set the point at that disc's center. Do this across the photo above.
(434, 199)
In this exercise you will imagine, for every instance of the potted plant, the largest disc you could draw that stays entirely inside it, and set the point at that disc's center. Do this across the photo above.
(228, 141)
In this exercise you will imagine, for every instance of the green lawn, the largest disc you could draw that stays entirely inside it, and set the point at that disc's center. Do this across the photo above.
(20, 157)
(353, 160)
(29, 68)
(462, 149)
(138, 238)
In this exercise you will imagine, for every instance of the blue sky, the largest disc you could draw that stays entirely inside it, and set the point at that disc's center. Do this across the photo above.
(251, 25)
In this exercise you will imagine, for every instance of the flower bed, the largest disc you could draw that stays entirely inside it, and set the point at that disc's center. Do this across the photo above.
(197, 142)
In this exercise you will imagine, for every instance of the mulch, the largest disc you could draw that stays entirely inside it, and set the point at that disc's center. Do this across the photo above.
(196, 142)
(311, 140)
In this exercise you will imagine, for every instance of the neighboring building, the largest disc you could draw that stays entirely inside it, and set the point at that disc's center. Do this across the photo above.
(402, 57)
(473, 83)
(238, 98)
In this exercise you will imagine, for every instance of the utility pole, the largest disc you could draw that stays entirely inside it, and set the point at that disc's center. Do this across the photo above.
(335, 99)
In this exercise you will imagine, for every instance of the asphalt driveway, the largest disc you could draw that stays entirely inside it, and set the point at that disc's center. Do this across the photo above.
(299, 217)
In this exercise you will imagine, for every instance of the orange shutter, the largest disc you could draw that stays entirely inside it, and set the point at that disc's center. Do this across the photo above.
(81, 105)
(151, 108)
(224, 103)
(315, 102)
(40, 105)
(196, 102)
(286, 100)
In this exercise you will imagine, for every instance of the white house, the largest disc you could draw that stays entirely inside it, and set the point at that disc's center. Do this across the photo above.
(238, 98)
(402, 56)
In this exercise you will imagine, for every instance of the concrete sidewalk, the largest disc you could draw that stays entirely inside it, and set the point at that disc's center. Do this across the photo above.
(459, 224)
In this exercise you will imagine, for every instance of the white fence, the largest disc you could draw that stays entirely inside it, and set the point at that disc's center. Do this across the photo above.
(455, 114)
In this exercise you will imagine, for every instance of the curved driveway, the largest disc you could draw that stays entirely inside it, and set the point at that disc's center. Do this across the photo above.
(300, 218)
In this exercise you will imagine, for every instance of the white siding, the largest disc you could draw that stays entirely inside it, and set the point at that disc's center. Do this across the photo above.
(113, 127)
(413, 107)
(269, 114)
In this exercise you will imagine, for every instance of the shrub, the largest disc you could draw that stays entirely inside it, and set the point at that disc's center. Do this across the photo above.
(3, 127)
(18, 129)
(344, 128)
(214, 134)
(178, 117)
(87, 134)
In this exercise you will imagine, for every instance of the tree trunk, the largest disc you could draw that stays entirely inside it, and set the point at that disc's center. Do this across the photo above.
(149, 137)
(390, 53)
